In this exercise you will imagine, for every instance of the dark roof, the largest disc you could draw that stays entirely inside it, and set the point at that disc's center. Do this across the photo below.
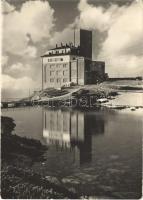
(61, 47)
(60, 54)
(65, 46)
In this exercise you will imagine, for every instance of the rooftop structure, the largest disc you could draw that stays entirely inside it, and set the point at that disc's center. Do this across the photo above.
(63, 50)
(86, 43)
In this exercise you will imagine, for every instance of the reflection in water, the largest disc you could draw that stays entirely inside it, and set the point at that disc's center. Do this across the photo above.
(72, 130)
(101, 150)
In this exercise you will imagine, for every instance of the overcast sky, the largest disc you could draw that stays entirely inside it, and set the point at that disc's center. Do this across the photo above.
(32, 27)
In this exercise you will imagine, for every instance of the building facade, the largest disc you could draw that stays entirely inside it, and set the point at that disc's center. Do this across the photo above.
(61, 69)
(70, 64)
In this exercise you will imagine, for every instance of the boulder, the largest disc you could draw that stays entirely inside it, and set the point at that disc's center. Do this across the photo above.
(53, 180)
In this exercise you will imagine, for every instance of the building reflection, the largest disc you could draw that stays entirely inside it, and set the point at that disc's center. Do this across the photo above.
(72, 130)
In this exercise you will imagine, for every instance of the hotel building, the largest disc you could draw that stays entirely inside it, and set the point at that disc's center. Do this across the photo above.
(70, 64)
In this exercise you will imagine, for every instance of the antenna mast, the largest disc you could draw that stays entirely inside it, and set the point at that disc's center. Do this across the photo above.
(74, 36)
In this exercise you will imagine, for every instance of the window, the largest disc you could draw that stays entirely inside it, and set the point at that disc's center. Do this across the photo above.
(58, 80)
(58, 65)
(50, 60)
(51, 73)
(65, 80)
(64, 65)
(51, 80)
(52, 66)
(58, 72)
(54, 59)
(65, 72)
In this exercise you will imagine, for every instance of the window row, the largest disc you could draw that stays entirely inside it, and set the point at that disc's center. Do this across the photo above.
(54, 59)
(59, 80)
(59, 72)
(59, 65)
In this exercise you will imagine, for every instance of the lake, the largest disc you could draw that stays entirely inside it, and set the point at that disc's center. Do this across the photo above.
(97, 152)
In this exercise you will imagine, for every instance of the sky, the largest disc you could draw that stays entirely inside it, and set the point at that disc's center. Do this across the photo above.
(30, 28)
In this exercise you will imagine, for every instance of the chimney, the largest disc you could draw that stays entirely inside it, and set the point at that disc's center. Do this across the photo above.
(56, 46)
(61, 44)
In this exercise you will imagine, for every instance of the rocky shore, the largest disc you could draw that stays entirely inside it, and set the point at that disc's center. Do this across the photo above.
(64, 96)
(77, 96)
(18, 180)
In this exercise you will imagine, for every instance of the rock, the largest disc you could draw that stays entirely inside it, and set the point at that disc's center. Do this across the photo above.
(107, 188)
(43, 163)
(87, 177)
(117, 171)
(53, 180)
(73, 190)
(114, 157)
(70, 180)
(133, 108)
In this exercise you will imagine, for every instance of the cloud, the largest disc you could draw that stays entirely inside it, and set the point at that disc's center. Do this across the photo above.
(122, 49)
(19, 67)
(4, 60)
(12, 87)
(118, 36)
(23, 83)
(6, 7)
(64, 36)
(124, 66)
(97, 18)
(18, 70)
(35, 18)
(90, 17)
(30, 51)
(23, 32)
(126, 31)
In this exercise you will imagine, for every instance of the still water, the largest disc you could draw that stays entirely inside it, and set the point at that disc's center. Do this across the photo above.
(99, 153)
